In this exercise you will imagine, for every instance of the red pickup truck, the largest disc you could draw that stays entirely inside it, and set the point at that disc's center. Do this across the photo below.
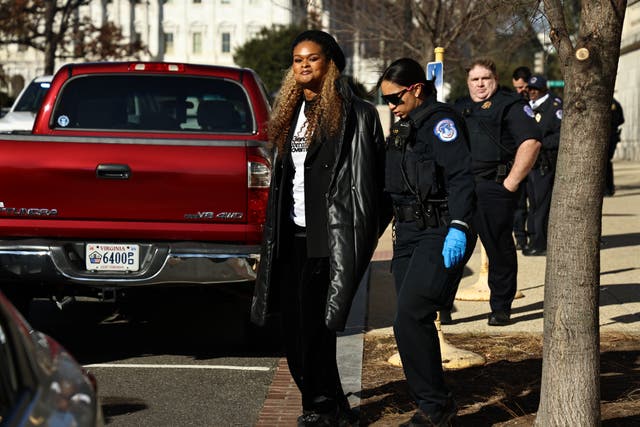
(136, 173)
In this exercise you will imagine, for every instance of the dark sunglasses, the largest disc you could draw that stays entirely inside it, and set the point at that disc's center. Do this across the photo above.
(396, 98)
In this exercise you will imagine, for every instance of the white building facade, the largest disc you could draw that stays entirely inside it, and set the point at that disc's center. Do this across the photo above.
(197, 31)
(627, 90)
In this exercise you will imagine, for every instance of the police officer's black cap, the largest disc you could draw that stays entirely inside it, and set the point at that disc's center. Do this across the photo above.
(537, 82)
(329, 45)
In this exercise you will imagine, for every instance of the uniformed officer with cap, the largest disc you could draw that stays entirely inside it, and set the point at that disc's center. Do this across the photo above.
(505, 141)
(520, 79)
(547, 110)
(617, 119)
(428, 177)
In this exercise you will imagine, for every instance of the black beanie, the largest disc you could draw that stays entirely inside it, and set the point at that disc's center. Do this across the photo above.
(329, 45)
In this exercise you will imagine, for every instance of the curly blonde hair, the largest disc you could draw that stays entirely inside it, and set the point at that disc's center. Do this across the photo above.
(324, 115)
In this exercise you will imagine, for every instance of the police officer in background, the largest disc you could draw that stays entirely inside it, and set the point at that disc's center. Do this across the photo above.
(505, 141)
(617, 119)
(428, 177)
(520, 80)
(547, 110)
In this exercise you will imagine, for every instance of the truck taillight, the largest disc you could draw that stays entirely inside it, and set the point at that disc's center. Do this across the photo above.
(258, 182)
(259, 175)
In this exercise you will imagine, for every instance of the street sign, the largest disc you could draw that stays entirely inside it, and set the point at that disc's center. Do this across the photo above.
(555, 83)
(435, 72)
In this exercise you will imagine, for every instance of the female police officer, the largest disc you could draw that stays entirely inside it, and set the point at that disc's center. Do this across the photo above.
(428, 176)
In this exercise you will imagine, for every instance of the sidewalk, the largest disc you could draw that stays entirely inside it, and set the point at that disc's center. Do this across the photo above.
(374, 306)
(619, 278)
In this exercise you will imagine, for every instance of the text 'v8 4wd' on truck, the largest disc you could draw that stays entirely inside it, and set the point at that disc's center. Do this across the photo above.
(136, 174)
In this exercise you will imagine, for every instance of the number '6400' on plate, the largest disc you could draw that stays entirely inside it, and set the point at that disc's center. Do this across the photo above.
(112, 256)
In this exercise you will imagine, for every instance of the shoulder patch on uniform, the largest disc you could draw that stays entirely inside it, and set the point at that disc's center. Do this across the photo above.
(528, 110)
(559, 114)
(445, 130)
(558, 100)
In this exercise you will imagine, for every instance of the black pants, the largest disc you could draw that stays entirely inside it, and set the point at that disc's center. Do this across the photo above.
(310, 346)
(424, 286)
(540, 188)
(493, 220)
(609, 187)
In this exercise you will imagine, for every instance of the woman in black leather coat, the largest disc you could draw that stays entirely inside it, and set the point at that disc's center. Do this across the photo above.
(324, 217)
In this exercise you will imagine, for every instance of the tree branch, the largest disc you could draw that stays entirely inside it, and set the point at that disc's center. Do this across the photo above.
(558, 33)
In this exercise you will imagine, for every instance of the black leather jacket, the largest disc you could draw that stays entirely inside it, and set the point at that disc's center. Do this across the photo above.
(357, 213)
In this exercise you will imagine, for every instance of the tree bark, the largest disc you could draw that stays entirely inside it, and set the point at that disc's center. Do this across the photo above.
(570, 387)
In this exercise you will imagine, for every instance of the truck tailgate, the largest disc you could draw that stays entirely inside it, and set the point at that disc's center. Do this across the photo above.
(125, 180)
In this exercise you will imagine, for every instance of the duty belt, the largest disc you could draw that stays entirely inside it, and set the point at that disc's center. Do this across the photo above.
(497, 174)
(431, 216)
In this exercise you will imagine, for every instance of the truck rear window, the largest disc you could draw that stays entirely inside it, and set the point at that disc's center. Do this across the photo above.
(152, 102)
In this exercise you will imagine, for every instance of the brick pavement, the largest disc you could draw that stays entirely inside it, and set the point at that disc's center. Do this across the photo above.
(283, 404)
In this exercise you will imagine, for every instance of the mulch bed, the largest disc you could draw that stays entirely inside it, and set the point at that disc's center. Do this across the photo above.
(506, 390)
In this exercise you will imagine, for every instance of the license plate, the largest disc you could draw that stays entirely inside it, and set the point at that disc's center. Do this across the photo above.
(112, 257)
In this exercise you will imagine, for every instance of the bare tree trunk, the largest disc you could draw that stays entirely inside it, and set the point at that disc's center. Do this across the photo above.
(51, 46)
(570, 388)
(160, 34)
(133, 36)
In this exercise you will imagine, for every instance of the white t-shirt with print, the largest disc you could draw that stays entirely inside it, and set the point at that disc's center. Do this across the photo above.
(298, 155)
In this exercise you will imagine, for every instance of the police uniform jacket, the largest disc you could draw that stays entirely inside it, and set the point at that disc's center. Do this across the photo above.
(437, 163)
(497, 127)
(548, 115)
(345, 221)
(617, 119)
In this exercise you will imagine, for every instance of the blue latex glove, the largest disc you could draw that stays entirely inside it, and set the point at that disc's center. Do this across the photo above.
(454, 246)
